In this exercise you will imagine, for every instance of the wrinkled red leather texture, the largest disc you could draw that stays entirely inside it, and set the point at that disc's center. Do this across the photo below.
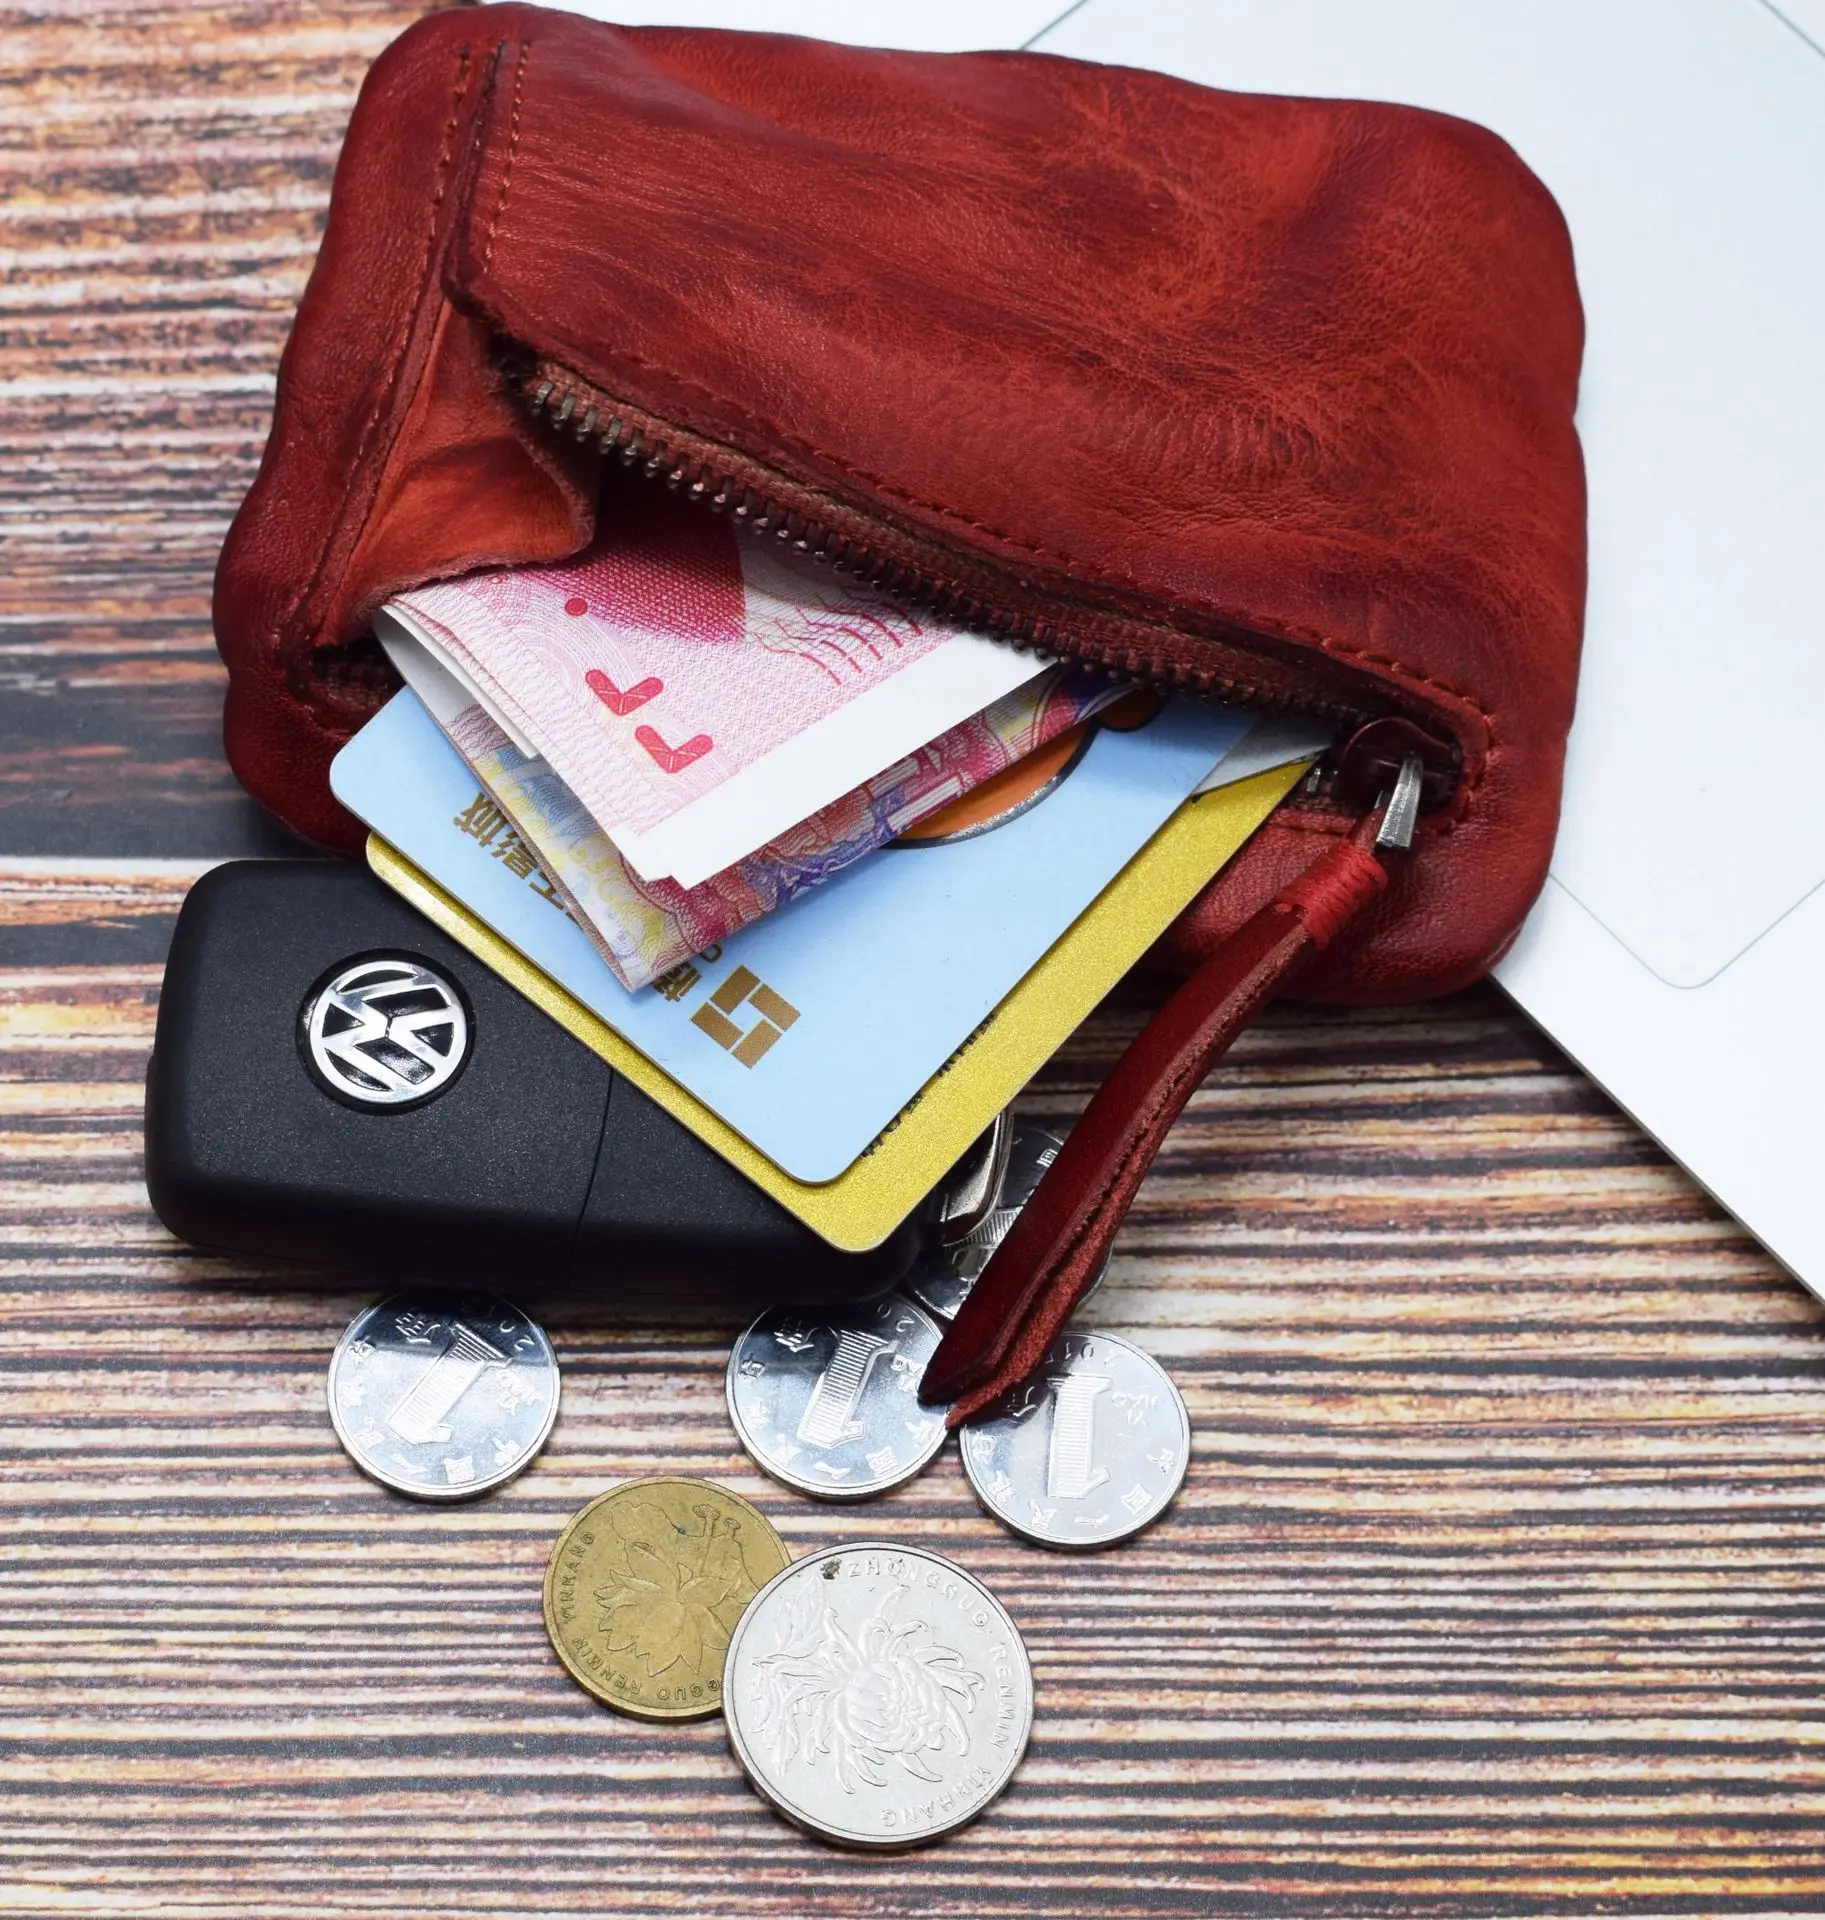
(1253, 394)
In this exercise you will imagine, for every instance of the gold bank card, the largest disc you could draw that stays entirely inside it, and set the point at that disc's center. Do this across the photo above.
(863, 1204)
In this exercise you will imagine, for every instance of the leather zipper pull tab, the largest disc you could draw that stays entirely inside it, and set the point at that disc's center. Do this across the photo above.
(1055, 1248)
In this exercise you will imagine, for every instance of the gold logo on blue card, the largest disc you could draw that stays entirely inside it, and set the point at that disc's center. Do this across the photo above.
(745, 989)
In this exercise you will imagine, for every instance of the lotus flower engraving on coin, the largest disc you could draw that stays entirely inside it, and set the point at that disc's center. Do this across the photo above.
(681, 1589)
(644, 1587)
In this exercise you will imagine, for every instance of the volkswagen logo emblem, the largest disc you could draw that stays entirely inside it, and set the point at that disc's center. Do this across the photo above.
(384, 1030)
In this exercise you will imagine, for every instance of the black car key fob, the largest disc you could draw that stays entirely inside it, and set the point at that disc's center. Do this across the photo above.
(335, 1080)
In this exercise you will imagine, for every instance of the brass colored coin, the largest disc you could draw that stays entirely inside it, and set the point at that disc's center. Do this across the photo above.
(645, 1586)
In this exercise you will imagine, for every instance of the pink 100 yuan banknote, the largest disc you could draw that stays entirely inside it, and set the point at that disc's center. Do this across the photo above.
(643, 928)
(700, 690)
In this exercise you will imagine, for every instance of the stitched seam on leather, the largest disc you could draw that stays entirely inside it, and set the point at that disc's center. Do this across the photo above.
(1351, 874)
(1285, 822)
(446, 153)
(1233, 615)
(513, 152)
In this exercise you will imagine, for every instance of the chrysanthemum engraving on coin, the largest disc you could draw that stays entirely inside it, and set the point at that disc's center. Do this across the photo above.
(889, 1695)
(878, 1695)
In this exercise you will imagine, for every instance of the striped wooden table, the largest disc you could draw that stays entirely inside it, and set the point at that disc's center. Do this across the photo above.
(1495, 1589)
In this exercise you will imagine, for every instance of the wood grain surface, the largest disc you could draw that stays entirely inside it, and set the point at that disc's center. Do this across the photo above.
(1498, 1585)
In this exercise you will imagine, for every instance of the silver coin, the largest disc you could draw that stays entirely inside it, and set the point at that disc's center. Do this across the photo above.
(826, 1399)
(1088, 1451)
(877, 1695)
(443, 1398)
(946, 1271)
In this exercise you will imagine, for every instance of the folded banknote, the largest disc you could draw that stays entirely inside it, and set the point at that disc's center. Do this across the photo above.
(643, 927)
(698, 689)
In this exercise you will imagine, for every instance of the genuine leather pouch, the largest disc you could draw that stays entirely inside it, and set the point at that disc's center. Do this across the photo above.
(1264, 398)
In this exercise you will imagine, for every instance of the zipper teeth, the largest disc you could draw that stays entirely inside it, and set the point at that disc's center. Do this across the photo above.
(565, 403)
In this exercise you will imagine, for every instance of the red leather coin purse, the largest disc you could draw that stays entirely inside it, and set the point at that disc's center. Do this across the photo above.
(1265, 398)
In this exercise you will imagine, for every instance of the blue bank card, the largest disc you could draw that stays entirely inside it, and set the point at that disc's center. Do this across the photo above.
(810, 1030)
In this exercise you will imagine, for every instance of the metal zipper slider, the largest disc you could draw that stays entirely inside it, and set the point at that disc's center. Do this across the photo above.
(1401, 807)
(975, 1182)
